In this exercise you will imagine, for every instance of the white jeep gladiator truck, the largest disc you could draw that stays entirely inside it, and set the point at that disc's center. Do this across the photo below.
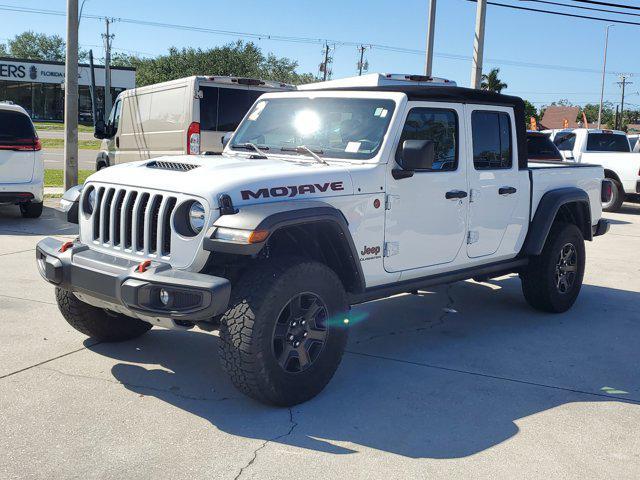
(322, 200)
(609, 148)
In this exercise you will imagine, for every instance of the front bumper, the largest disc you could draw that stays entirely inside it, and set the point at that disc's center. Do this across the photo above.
(116, 283)
(600, 228)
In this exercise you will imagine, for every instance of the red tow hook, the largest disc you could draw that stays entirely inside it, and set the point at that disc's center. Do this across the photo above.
(66, 246)
(142, 267)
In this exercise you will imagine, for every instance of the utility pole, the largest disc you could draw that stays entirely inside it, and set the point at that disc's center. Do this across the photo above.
(324, 66)
(428, 66)
(623, 82)
(478, 44)
(604, 72)
(362, 65)
(71, 98)
(107, 68)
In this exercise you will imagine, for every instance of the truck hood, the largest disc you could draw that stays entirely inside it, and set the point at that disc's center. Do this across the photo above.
(246, 180)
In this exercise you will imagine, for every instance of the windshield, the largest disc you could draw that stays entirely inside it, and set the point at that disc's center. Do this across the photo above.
(607, 142)
(350, 128)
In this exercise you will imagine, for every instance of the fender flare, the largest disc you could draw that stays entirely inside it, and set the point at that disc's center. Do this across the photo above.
(545, 215)
(277, 215)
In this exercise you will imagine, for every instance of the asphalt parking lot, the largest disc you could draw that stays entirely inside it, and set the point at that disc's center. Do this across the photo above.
(466, 381)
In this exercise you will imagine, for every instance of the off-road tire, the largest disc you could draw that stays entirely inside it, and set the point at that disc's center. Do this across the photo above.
(618, 196)
(96, 322)
(247, 329)
(31, 209)
(539, 281)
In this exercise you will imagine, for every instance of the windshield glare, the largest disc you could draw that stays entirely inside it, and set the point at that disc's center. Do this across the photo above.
(350, 128)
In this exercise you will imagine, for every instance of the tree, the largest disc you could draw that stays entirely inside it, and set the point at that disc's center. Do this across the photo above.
(591, 112)
(491, 81)
(234, 59)
(530, 111)
(37, 46)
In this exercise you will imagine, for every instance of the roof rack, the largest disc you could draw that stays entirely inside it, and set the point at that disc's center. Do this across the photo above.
(380, 80)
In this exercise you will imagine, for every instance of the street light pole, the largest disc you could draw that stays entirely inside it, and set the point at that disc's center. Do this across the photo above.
(478, 44)
(604, 72)
(71, 98)
(428, 67)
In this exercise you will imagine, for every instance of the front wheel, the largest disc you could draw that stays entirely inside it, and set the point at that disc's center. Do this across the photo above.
(97, 323)
(283, 335)
(553, 279)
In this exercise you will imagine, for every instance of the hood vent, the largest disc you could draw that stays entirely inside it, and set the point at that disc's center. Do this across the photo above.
(175, 166)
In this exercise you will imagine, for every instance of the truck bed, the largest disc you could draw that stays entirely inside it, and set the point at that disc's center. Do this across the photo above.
(547, 176)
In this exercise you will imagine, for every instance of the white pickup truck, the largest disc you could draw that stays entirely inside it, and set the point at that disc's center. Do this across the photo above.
(321, 200)
(609, 148)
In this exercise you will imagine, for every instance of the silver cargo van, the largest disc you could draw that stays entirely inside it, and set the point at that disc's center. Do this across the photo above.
(185, 116)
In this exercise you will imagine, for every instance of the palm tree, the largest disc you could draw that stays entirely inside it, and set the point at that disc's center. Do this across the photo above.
(491, 81)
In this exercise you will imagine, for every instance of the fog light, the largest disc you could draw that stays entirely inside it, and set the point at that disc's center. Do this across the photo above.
(165, 297)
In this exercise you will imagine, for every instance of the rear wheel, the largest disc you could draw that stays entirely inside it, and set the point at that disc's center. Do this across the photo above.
(617, 197)
(283, 336)
(31, 209)
(553, 279)
(98, 323)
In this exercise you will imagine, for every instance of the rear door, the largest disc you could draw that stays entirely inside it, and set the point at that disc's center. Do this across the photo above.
(221, 110)
(17, 147)
(493, 178)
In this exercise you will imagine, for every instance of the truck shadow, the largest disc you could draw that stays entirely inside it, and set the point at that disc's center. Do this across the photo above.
(444, 376)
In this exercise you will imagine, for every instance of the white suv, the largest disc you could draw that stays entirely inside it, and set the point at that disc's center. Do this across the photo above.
(21, 165)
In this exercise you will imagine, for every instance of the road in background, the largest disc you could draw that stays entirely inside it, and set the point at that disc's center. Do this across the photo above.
(466, 381)
(54, 159)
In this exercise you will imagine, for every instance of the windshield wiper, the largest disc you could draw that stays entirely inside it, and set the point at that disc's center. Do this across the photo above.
(302, 150)
(252, 146)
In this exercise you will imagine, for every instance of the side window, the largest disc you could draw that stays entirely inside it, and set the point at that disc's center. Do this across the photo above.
(438, 125)
(491, 136)
(114, 118)
(565, 141)
(209, 108)
(233, 103)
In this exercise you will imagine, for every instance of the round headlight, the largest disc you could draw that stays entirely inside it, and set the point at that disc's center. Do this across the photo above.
(196, 217)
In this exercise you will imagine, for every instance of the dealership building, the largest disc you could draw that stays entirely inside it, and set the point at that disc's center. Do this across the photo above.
(38, 86)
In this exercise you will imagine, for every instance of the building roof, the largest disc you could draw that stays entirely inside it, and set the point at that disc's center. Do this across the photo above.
(555, 116)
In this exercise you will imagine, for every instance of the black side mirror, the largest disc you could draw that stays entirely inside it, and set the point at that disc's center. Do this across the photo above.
(100, 129)
(418, 154)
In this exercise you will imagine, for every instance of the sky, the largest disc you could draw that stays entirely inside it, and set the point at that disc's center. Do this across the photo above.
(541, 57)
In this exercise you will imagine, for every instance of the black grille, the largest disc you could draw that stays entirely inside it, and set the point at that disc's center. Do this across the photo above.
(175, 166)
(138, 221)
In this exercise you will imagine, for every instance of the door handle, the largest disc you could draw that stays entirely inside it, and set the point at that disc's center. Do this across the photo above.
(507, 190)
(117, 142)
(455, 195)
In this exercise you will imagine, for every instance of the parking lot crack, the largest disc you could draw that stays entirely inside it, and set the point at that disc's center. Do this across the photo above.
(292, 425)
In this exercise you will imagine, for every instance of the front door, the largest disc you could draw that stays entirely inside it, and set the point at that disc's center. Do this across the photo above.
(427, 212)
(493, 178)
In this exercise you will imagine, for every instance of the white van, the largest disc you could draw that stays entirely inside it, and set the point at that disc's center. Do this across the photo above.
(185, 116)
(21, 164)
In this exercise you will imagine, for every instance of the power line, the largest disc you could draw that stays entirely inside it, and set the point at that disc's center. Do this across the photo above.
(561, 14)
(583, 8)
(608, 4)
